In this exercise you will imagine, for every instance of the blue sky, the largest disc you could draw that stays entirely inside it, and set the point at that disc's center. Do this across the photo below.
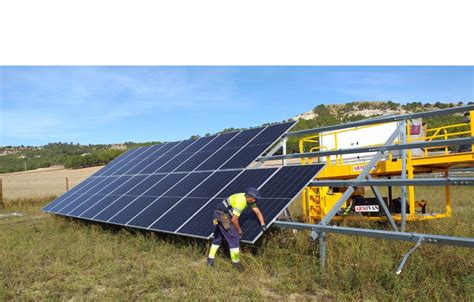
(39, 105)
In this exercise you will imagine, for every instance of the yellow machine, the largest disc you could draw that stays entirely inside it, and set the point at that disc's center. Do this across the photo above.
(317, 201)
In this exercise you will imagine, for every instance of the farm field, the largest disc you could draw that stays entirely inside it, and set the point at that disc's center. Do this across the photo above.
(42, 182)
(45, 257)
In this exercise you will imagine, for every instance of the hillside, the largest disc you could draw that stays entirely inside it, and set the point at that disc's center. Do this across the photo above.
(24, 158)
(21, 158)
(367, 109)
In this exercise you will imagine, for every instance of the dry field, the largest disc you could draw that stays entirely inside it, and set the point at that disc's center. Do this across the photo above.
(42, 182)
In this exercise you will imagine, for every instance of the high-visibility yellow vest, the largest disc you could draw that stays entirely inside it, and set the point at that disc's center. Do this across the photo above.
(238, 202)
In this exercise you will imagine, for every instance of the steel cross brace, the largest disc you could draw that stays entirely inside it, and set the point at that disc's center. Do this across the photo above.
(377, 194)
(361, 176)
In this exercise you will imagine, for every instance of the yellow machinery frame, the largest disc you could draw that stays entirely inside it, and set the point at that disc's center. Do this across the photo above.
(317, 201)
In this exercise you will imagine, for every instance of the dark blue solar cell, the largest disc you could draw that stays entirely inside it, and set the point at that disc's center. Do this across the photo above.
(154, 162)
(130, 164)
(179, 214)
(243, 137)
(76, 202)
(144, 163)
(244, 157)
(212, 185)
(167, 147)
(86, 203)
(165, 184)
(111, 168)
(154, 211)
(117, 160)
(271, 133)
(84, 199)
(249, 178)
(207, 145)
(127, 166)
(95, 208)
(158, 150)
(149, 150)
(113, 186)
(128, 185)
(131, 209)
(270, 208)
(110, 207)
(62, 199)
(201, 224)
(92, 186)
(83, 185)
(217, 159)
(173, 163)
(198, 144)
(157, 164)
(180, 147)
(188, 162)
(187, 184)
(194, 161)
(289, 180)
(149, 182)
(154, 165)
(219, 141)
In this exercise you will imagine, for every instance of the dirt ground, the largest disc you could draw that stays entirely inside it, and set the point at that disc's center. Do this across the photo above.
(42, 182)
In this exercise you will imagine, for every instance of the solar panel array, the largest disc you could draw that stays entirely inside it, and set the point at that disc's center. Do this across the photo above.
(174, 187)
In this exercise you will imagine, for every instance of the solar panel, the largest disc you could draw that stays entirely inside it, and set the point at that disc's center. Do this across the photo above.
(172, 187)
(271, 205)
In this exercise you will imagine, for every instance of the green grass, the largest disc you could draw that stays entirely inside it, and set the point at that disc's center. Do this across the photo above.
(43, 257)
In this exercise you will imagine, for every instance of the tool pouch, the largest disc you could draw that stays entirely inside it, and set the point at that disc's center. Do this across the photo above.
(225, 221)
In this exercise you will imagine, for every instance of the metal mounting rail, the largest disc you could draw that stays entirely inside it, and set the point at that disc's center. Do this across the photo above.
(448, 142)
(391, 235)
(465, 181)
(383, 119)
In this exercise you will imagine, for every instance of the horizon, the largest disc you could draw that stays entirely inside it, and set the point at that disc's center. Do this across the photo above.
(113, 105)
(160, 142)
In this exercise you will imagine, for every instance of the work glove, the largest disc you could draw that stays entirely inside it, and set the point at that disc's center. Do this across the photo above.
(263, 227)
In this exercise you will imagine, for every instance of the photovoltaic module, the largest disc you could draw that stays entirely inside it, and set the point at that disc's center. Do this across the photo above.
(174, 187)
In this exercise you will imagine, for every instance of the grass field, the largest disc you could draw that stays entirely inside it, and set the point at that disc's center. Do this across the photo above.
(43, 257)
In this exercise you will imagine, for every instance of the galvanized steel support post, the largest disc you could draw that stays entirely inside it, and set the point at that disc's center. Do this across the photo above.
(403, 202)
(322, 251)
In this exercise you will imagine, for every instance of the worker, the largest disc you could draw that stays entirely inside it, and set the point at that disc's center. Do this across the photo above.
(226, 222)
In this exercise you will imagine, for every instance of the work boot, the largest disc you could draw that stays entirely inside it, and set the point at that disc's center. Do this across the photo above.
(210, 262)
(236, 266)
